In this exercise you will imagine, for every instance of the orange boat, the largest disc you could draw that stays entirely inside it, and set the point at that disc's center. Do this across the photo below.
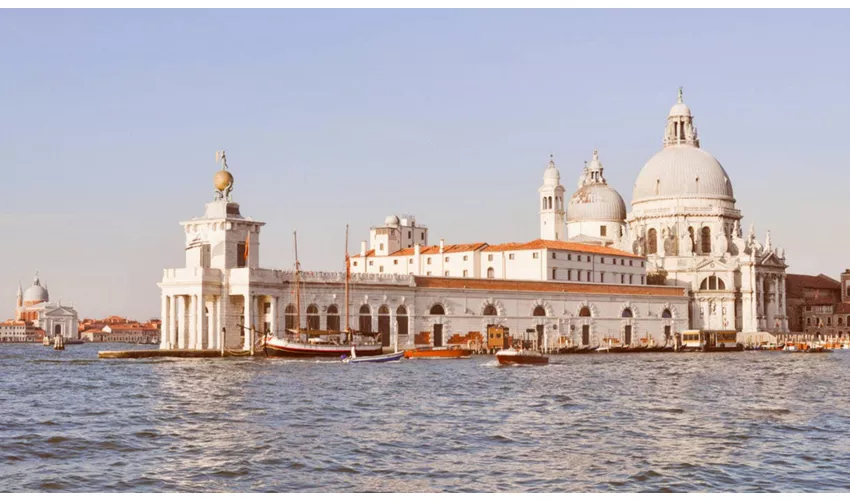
(438, 353)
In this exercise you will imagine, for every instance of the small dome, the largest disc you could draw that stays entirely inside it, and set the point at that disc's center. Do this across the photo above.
(391, 220)
(682, 171)
(596, 202)
(680, 109)
(551, 177)
(36, 293)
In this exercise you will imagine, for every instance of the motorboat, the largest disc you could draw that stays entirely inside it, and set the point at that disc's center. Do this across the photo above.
(513, 356)
(381, 358)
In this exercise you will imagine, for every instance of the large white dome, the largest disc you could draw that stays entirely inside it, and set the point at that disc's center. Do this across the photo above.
(36, 293)
(682, 171)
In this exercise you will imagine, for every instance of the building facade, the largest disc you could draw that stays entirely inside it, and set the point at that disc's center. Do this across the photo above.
(34, 309)
(224, 299)
(819, 305)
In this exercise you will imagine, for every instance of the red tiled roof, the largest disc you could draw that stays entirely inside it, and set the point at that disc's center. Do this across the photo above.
(796, 283)
(538, 244)
(547, 286)
(561, 245)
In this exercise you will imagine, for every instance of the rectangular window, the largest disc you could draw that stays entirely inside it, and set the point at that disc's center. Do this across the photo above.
(569, 256)
(380, 269)
(447, 259)
(602, 277)
(465, 258)
(510, 256)
(465, 273)
(643, 280)
(534, 255)
(240, 255)
(410, 261)
(421, 236)
(603, 230)
(371, 262)
(428, 261)
(355, 264)
(490, 258)
(446, 273)
(569, 274)
(395, 262)
(642, 263)
(578, 278)
(829, 321)
(630, 262)
(630, 278)
(428, 273)
(602, 260)
(381, 246)
(553, 255)
(622, 262)
(623, 279)
(408, 235)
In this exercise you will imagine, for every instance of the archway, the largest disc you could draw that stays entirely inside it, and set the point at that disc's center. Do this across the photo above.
(333, 318)
(627, 330)
(539, 311)
(384, 325)
(289, 317)
(438, 310)
(401, 320)
(313, 317)
(365, 319)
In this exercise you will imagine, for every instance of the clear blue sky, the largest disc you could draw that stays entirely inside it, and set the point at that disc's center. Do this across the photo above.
(111, 119)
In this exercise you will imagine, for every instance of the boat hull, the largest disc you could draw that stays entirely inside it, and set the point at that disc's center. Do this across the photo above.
(285, 349)
(437, 353)
(383, 358)
(521, 359)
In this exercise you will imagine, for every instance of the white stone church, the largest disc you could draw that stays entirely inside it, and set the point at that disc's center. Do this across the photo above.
(677, 261)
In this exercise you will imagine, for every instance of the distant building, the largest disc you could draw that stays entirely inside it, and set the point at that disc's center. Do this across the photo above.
(819, 305)
(20, 331)
(119, 329)
(35, 310)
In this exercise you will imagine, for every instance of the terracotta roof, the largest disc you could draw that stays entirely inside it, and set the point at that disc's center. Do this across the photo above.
(547, 286)
(561, 245)
(368, 254)
(131, 327)
(465, 247)
(796, 283)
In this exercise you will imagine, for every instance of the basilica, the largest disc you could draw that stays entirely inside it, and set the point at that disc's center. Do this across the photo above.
(36, 314)
(677, 261)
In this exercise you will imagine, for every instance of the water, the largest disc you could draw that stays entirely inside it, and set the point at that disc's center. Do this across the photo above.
(750, 421)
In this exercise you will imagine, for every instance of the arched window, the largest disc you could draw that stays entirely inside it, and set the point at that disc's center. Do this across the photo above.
(544, 203)
(585, 312)
(491, 273)
(550, 202)
(365, 318)
(652, 242)
(712, 283)
(840, 321)
(627, 313)
(313, 317)
(666, 314)
(490, 310)
(705, 240)
(57, 329)
(539, 311)
(401, 320)
(333, 318)
(437, 310)
(289, 317)
(720, 284)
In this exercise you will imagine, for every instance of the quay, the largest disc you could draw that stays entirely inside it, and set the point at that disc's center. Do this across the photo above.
(171, 353)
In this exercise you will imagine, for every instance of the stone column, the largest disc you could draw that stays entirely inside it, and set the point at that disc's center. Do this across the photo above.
(248, 308)
(173, 332)
(193, 322)
(273, 321)
(210, 333)
(393, 330)
(163, 329)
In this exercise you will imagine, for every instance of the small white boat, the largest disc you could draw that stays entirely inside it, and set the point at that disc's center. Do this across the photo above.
(512, 356)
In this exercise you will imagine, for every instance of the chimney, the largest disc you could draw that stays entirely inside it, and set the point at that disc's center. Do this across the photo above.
(416, 250)
(363, 248)
(442, 244)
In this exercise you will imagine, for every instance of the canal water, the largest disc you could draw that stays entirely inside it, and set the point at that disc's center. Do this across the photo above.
(747, 421)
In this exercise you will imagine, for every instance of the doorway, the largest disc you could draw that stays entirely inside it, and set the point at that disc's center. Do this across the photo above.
(628, 335)
(438, 335)
(585, 334)
(539, 336)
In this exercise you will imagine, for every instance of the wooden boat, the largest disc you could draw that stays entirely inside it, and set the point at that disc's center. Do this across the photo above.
(438, 353)
(567, 350)
(513, 356)
(383, 358)
(298, 344)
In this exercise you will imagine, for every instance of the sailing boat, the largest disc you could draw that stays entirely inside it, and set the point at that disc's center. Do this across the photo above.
(318, 343)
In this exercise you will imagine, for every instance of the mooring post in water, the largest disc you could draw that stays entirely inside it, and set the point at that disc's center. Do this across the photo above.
(223, 337)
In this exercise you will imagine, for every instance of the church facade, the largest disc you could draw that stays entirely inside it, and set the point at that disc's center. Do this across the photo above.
(35, 311)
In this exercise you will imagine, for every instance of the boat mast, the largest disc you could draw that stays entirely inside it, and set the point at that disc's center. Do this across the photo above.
(297, 286)
(347, 275)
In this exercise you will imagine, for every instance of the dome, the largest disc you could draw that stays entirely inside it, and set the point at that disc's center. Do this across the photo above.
(551, 177)
(682, 171)
(391, 220)
(680, 109)
(36, 293)
(596, 202)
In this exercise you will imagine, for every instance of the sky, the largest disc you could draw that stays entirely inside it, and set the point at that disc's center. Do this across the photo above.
(110, 119)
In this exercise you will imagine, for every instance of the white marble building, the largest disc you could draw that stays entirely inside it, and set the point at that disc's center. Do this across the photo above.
(556, 291)
(683, 219)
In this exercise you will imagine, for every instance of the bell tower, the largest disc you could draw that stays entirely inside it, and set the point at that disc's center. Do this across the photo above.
(680, 125)
(553, 224)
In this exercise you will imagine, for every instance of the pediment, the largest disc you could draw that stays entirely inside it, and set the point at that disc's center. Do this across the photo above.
(714, 265)
(770, 259)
